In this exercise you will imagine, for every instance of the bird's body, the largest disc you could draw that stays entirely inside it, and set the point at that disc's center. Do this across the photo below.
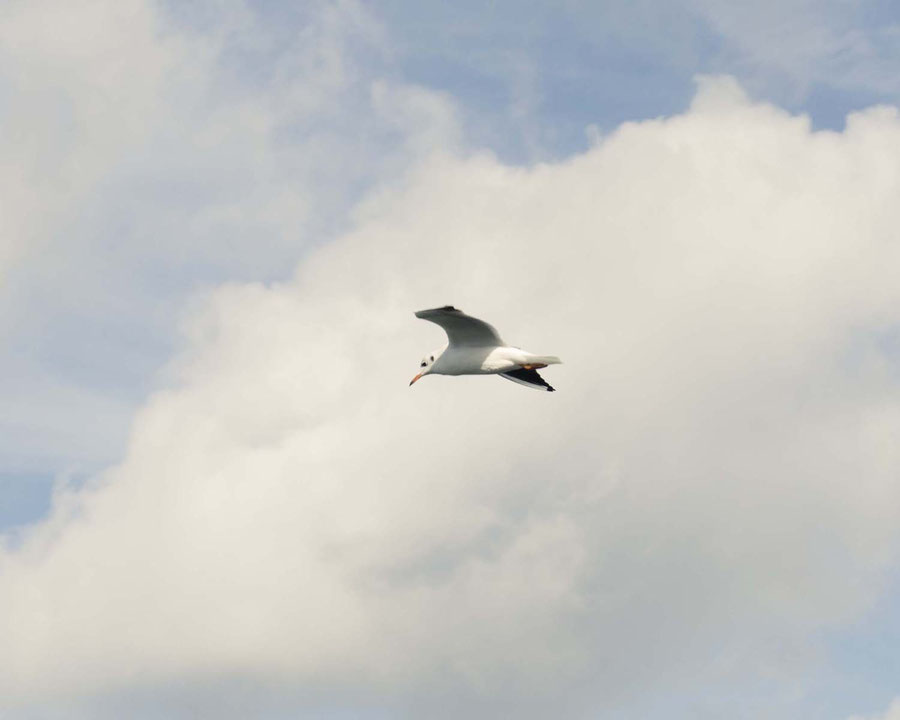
(475, 348)
(474, 361)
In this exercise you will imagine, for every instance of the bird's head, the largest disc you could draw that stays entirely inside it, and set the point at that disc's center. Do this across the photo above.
(426, 365)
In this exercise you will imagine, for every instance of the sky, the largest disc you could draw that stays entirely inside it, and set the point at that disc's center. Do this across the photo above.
(220, 498)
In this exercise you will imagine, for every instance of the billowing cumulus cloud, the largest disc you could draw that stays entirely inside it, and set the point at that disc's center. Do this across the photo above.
(892, 713)
(714, 482)
(79, 85)
(801, 44)
(151, 149)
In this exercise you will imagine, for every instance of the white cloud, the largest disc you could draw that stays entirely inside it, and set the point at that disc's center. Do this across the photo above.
(892, 713)
(151, 150)
(803, 43)
(80, 84)
(717, 469)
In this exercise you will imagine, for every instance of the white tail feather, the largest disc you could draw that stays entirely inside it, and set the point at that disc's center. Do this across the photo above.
(545, 360)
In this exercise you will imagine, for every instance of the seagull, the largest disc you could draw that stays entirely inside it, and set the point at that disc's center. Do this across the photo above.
(475, 348)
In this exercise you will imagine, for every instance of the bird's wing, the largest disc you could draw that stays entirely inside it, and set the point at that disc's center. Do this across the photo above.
(462, 329)
(529, 378)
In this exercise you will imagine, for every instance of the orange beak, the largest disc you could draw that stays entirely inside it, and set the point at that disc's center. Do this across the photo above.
(415, 378)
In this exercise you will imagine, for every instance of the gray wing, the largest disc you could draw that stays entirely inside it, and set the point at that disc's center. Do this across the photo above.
(462, 329)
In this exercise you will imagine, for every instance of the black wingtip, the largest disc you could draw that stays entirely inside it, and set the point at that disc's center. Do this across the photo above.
(449, 308)
(529, 378)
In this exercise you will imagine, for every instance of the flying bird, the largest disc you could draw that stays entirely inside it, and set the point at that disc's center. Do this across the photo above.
(475, 348)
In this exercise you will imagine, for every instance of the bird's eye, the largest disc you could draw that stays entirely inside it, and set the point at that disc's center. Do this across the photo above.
(423, 364)
(432, 358)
